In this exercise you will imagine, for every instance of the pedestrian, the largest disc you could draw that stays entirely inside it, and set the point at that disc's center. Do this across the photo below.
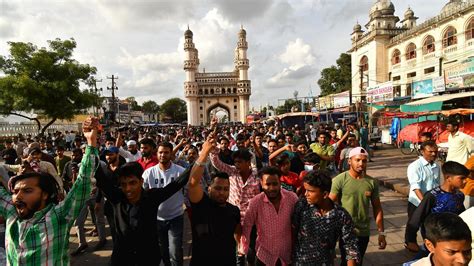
(319, 224)
(356, 190)
(61, 160)
(215, 223)
(289, 180)
(459, 143)
(444, 198)
(343, 164)
(134, 214)
(170, 213)
(270, 211)
(424, 174)
(9, 153)
(448, 239)
(324, 150)
(147, 149)
(38, 224)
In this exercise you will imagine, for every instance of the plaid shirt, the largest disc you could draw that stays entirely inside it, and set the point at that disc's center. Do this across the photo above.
(44, 238)
(240, 193)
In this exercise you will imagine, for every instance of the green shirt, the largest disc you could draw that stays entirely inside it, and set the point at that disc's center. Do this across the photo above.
(60, 163)
(356, 196)
(326, 150)
(44, 238)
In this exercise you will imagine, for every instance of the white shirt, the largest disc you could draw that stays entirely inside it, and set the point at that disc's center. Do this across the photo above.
(154, 177)
(459, 147)
(129, 157)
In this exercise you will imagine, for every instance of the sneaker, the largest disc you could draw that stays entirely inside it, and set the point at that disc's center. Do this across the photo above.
(100, 245)
(79, 250)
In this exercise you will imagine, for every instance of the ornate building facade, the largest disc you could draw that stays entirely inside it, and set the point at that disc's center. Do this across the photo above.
(208, 92)
(404, 53)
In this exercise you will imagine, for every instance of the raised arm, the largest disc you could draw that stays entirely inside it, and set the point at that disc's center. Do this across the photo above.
(220, 165)
(275, 154)
(195, 190)
(73, 203)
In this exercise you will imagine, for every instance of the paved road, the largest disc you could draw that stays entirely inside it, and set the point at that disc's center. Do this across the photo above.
(389, 166)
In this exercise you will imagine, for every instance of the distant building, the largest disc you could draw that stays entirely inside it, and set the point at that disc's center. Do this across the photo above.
(205, 92)
(416, 60)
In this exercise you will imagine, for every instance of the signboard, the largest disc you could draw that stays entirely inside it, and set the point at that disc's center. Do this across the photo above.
(326, 103)
(341, 99)
(438, 84)
(422, 89)
(460, 75)
(380, 93)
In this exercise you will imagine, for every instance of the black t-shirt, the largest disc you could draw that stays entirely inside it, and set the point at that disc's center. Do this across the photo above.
(213, 229)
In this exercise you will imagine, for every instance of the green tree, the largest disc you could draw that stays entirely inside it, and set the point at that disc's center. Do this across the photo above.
(337, 78)
(286, 107)
(150, 108)
(174, 109)
(45, 81)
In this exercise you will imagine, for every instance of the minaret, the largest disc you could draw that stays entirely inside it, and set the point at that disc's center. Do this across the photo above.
(409, 20)
(191, 64)
(242, 65)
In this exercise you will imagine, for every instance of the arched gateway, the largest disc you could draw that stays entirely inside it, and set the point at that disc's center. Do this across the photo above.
(209, 93)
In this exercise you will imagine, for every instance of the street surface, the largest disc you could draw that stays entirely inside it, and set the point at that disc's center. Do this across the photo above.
(389, 166)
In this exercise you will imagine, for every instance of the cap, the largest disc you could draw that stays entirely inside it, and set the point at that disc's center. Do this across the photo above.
(33, 150)
(357, 151)
(112, 149)
(131, 143)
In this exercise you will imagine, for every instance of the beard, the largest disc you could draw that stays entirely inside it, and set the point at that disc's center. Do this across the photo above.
(24, 211)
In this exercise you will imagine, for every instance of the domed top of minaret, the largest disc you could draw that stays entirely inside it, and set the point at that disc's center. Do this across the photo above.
(453, 4)
(242, 32)
(357, 27)
(188, 33)
(385, 7)
(409, 13)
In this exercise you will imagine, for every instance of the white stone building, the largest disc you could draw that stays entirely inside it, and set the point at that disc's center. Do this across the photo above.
(207, 92)
(404, 53)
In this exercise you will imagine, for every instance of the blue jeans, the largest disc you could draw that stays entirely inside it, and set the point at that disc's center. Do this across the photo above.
(170, 237)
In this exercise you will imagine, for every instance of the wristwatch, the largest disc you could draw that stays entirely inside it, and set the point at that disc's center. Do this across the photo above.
(199, 163)
(382, 233)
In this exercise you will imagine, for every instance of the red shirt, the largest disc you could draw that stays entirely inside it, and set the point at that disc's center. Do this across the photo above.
(149, 163)
(291, 181)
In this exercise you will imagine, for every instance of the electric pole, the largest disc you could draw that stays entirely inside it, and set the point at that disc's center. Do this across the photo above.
(113, 88)
(97, 93)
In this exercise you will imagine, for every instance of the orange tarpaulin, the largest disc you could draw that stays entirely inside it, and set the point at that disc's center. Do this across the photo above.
(413, 131)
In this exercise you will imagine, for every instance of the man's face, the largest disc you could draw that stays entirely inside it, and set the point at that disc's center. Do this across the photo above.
(111, 157)
(271, 186)
(132, 148)
(358, 163)
(219, 190)
(146, 150)
(132, 187)
(322, 139)
(49, 146)
(450, 253)
(28, 197)
(42, 145)
(457, 181)
(59, 153)
(240, 143)
(333, 134)
(109, 143)
(301, 149)
(36, 156)
(450, 128)
(424, 138)
(224, 145)
(164, 155)
(192, 155)
(258, 140)
(281, 143)
(76, 156)
(8, 145)
(241, 165)
(288, 139)
(272, 146)
(430, 153)
(313, 195)
(352, 142)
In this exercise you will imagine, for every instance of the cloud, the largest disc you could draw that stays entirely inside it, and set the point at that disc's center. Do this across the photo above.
(244, 10)
(299, 60)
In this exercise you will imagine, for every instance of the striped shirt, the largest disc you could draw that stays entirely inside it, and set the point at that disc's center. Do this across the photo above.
(44, 238)
(240, 193)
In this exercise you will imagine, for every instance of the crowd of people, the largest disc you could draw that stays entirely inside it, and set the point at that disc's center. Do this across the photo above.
(255, 195)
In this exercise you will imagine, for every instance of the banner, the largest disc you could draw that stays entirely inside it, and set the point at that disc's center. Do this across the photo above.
(326, 103)
(460, 75)
(422, 89)
(341, 99)
(438, 84)
(380, 93)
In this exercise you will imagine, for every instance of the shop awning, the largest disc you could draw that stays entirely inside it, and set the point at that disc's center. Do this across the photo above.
(442, 98)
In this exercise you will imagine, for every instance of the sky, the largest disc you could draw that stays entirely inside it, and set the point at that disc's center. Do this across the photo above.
(141, 41)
